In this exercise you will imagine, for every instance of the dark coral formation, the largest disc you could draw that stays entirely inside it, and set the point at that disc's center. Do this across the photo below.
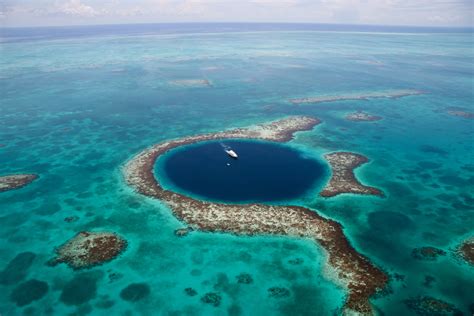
(28, 292)
(430, 306)
(343, 179)
(466, 250)
(429, 280)
(357, 96)
(181, 232)
(296, 261)
(135, 292)
(427, 253)
(190, 291)
(244, 278)
(16, 181)
(362, 117)
(359, 275)
(81, 289)
(278, 292)
(17, 268)
(114, 276)
(212, 298)
(88, 249)
(71, 219)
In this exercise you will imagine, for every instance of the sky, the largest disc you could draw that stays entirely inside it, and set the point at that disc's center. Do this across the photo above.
(380, 12)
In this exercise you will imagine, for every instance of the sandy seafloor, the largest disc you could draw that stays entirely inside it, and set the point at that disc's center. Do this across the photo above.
(74, 109)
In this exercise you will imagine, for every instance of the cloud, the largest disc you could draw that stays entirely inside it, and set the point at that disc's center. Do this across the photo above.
(76, 8)
(387, 12)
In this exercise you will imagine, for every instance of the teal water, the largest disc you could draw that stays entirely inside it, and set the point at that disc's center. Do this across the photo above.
(75, 108)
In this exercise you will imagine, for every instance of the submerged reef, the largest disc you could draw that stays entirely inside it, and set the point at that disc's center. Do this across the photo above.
(460, 113)
(343, 179)
(88, 249)
(358, 96)
(181, 232)
(135, 292)
(427, 305)
(427, 253)
(360, 116)
(192, 83)
(16, 181)
(466, 250)
(17, 269)
(278, 292)
(357, 273)
(244, 278)
(212, 298)
(29, 291)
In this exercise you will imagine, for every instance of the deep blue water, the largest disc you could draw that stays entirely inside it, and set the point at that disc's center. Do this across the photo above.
(263, 172)
(75, 105)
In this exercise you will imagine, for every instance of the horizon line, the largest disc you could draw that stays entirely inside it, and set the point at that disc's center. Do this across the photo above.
(470, 27)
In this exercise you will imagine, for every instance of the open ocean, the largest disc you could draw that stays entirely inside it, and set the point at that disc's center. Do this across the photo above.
(76, 103)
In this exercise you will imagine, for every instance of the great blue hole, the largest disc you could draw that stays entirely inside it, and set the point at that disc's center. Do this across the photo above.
(263, 171)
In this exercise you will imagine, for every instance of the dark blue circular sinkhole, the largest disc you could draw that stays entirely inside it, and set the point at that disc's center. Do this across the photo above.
(263, 172)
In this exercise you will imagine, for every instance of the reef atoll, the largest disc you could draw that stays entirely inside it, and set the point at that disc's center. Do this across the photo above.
(88, 249)
(360, 116)
(16, 181)
(343, 179)
(357, 273)
(392, 94)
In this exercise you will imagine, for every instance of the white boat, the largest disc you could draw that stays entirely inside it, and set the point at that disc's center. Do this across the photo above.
(231, 153)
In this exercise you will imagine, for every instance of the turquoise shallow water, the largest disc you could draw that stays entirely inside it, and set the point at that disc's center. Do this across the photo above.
(74, 109)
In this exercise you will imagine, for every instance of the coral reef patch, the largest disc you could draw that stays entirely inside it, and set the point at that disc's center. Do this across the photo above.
(343, 179)
(426, 305)
(392, 94)
(360, 116)
(278, 292)
(181, 232)
(194, 83)
(244, 278)
(190, 291)
(466, 250)
(427, 253)
(16, 181)
(212, 298)
(88, 249)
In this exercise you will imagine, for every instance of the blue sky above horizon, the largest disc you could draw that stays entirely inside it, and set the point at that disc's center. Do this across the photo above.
(379, 12)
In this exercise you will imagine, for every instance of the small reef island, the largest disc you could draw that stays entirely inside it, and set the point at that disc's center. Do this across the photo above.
(343, 179)
(360, 116)
(391, 94)
(192, 83)
(88, 249)
(16, 181)
(361, 278)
